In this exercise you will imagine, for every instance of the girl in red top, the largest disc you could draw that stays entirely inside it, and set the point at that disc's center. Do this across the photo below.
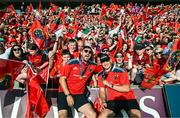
(36, 58)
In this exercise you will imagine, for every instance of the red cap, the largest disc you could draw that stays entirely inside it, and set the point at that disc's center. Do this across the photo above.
(105, 46)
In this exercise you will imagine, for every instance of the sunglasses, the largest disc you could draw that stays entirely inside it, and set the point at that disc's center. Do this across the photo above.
(16, 49)
(119, 57)
(105, 50)
(148, 49)
(87, 51)
(158, 53)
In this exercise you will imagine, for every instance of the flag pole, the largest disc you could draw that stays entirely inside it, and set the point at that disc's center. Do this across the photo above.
(47, 80)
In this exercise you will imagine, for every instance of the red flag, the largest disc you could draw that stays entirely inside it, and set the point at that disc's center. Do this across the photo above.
(124, 31)
(144, 17)
(175, 45)
(36, 96)
(167, 68)
(129, 5)
(109, 22)
(177, 28)
(80, 9)
(11, 8)
(10, 11)
(46, 31)
(119, 44)
(72, 31)
(135, 20)
(103, 6)
(62, 16)
(113, 7)
(81, 6)
(44, 75)
(54, 26)
(30, 8)
(103, 18)
(149, 80)
(53, 7)
(38, 34)
(74, 15)
(153, 75)
(103, 12)
(9, 70)
(40, 8)
(164, 9)
(145, 9)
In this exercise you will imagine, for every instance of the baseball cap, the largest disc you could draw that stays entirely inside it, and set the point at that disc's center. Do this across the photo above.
(139, 46)
(158, 50)
(87, 46)
(33, 46)
(104, 58)
(105, 47)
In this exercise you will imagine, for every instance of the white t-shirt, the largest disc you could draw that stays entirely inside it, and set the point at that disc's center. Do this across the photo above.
(6, 54)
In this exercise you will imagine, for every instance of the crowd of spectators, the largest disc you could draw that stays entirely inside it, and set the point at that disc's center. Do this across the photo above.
(134, 36)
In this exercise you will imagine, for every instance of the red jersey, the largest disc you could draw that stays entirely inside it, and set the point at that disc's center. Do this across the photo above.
(75, 55)
(57, 69)
(116, 76)
(144, 60)
(112, 53)
(38, 59)
(57, 62)
(77, 74)
(112, 59)
(159, 62)
(125, 56)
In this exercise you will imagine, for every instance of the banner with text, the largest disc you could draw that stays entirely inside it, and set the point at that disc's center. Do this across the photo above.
(13, 103)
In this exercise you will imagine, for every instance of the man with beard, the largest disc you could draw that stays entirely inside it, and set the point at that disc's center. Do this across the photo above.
(73, 81)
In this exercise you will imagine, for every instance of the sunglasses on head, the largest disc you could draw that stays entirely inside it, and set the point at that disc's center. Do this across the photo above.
(87, 51)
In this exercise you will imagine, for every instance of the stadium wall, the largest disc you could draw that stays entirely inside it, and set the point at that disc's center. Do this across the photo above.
(13, 103)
